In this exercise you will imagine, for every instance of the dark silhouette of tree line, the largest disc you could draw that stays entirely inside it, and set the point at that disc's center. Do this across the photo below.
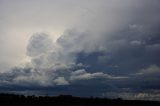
(68, 100)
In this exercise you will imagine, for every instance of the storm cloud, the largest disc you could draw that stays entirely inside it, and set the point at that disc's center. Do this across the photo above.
(108, 48)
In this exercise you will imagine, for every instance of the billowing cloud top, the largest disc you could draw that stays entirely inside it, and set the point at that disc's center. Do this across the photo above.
(110, 48)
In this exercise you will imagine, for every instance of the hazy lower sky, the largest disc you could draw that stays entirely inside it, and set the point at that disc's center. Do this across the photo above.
(85, 48)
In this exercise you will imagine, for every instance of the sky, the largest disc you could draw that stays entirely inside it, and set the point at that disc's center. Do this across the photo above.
(104, 48)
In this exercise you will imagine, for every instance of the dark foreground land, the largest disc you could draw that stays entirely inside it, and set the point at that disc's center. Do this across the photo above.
(67, 100)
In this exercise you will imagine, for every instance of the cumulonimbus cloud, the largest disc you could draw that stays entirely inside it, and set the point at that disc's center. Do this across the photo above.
(111, 40)
(53, 63)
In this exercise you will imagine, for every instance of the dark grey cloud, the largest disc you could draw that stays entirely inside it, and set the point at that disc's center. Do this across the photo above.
(115, 54)
(52, 63)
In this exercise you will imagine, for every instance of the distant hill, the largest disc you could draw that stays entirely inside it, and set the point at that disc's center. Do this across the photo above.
(68, 100)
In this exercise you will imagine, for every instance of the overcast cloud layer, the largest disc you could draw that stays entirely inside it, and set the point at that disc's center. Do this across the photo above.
(110, 48)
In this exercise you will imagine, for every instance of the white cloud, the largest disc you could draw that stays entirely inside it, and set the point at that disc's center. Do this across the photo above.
(81, 74)
(48, 77)
(39, 43)
(153, 69)
(61, 81)
(136, 42)
(33, 78)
